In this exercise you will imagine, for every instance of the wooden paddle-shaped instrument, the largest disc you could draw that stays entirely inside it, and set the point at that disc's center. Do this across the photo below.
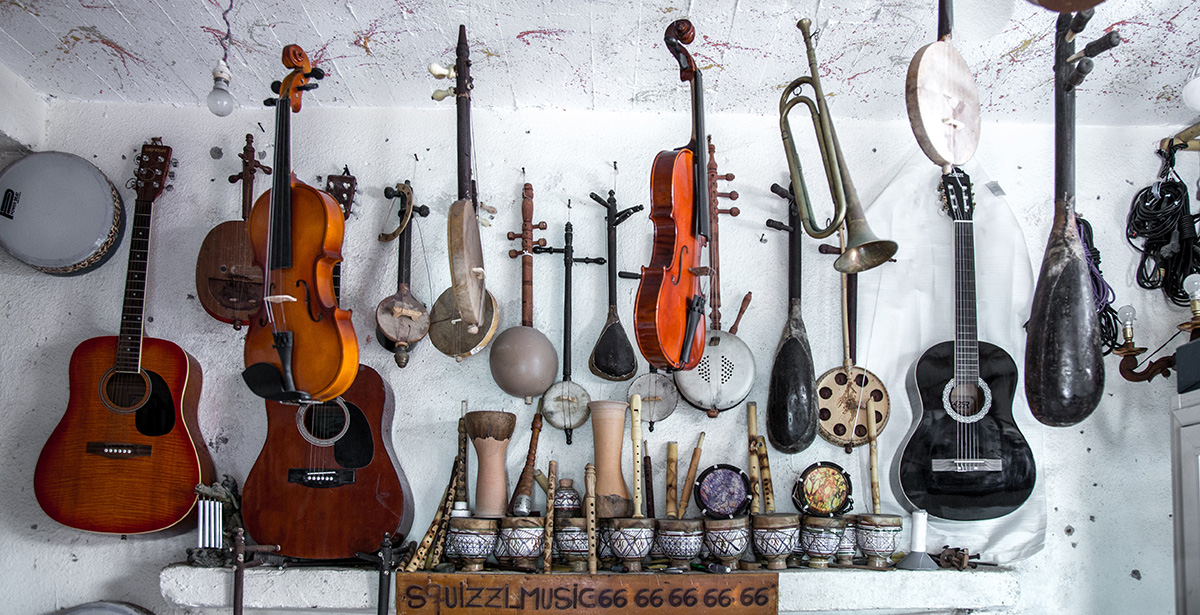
(402, 320)
(228, 283)
(612, 357)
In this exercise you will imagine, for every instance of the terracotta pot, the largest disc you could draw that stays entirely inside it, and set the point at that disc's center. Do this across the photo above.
(608, 435)
(490, 432)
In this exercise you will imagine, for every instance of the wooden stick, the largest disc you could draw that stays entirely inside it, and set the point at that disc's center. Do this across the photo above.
(540, 479)
(548, 546)
(691, 477)
(672, 479)
(443, 525)
(521, 503)
(589, 505)
(874, 456)
(635, 434)
(648, 479)
(752, 435)
(462, 495)
(764, 464)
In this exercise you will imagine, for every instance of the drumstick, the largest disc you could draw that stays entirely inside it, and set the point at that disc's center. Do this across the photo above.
(648, 479)
(874, 456)
(672, 478)
(547, 553)
(691, 477)
(635, 433)
(764, 464)
(589, 505)
(752, 433)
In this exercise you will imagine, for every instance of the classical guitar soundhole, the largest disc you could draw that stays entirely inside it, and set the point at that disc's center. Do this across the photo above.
(124, 392)
(324, 423)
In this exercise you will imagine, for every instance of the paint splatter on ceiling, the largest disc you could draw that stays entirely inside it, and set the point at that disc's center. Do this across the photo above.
(603, 55)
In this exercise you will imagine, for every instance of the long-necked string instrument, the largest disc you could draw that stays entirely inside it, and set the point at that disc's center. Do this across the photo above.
(521, 504)
(843, 391)
(725, 373)
(612, 357)
(228, 283)
(864, 250)
(464, 318)
(565, 403)
(522, 359)
(301, 346)
(402, 320)
(791, 392)
(668, 318)
(1064, 368)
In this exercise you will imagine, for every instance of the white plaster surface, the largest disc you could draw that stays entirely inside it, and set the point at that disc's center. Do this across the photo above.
(1108, 548)
(23, 120)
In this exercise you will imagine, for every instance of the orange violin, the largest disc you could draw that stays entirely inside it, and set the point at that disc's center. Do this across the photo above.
(301, 346)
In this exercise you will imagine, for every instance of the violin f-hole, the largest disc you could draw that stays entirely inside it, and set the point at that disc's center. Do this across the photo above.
(308, 302)
(683, 251)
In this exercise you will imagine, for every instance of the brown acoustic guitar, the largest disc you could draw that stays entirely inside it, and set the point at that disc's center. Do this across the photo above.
(127, 454)
(326, 484)
(228, 282)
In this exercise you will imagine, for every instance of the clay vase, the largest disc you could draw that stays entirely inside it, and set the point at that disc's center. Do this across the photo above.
(571, 540)
(727, 539)
(775, 536)
(567, 504)
(630, 540)
(877, 537)
(489, 432)
(680, 540)
(821, 538)
(522, 539)
(608, 435)
(846, 547)
(472, 540)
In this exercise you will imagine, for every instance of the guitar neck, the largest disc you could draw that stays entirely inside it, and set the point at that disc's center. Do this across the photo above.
(129, 343)
(966, 335)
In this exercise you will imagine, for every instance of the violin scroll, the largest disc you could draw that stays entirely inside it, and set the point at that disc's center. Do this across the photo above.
(681, 32)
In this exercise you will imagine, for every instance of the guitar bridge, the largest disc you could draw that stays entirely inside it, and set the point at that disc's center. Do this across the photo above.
(968, 465)
(322, 478)
(117, 450)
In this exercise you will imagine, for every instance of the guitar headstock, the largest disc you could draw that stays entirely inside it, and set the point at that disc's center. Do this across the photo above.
(153, 163)
(293, 86)
(342, 188)
(681, 32)
(957, 195)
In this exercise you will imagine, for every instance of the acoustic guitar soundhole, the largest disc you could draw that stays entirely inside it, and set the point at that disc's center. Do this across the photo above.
(324, 423)
(125, 392)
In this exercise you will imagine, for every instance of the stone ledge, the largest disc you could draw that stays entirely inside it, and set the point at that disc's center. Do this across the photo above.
(343, 590)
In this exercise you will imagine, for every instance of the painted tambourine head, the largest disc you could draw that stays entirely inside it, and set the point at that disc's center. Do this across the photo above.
(823, 490)
(722, 491)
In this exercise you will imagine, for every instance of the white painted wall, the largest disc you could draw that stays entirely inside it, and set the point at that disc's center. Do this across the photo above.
(23, 123)
(1107, 480)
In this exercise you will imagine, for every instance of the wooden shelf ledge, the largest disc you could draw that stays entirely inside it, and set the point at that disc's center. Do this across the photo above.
(846, 591)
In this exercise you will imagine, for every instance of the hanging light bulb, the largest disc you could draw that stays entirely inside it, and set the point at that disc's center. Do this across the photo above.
(1126, 315)
(220, 101)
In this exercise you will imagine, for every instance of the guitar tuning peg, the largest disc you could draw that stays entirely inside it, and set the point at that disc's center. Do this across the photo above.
(441, 72)
(175, 162)
(171, 174)
(483, 222)
(488, 208)
(442, 94)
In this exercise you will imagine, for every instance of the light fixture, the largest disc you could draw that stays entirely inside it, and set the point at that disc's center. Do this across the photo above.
(1126, 315)
(220, 101)
(1191, 89)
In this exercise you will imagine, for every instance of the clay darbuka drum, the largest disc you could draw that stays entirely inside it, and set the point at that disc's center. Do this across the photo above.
(722, 491)
(823, 490)
(59, 213)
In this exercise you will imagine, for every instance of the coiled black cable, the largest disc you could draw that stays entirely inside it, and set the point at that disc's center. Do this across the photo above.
(1102, 292)
(1160, 215)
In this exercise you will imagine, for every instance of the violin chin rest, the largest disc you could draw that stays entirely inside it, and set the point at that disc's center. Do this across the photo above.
(265, 380)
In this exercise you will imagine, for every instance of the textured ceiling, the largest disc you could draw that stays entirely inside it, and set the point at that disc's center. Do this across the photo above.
(604, 55)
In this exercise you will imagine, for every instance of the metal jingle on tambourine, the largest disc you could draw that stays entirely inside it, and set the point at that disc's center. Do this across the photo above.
(565, 406)
(842, 399)
(659, 396)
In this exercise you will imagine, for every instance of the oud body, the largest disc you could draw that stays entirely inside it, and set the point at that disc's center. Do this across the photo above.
(229, 284)
(326, 484)
(965, 495)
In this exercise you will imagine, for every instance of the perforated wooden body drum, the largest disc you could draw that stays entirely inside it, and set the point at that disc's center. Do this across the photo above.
(59, 213)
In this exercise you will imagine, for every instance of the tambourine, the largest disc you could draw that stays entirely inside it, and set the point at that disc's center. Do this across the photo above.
(823, 490)
(722, 491)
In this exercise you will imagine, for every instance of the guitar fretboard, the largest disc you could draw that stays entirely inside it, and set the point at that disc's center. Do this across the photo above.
(966, 335)
(129, 342)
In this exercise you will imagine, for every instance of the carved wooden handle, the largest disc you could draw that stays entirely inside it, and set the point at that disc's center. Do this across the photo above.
(525, 482)
(752, 438)
(691, 477)
(764, 466)
(589, 504)
(672, 479)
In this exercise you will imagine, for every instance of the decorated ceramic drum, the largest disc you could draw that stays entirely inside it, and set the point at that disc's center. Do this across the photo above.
(722, 491)
(522, 539)
(877, 537)
(823, 490)
(849, 541)
(821, 538)
(631, 540)
(775, 537)
(567, 504)
(570, 538)
(604, 550)
(680, 540)
(727, 539)
(472, 540)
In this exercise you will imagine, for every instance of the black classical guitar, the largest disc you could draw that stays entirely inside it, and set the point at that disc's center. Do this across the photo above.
(965, 459)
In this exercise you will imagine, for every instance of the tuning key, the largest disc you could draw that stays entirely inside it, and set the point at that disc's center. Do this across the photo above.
(492, 210)
(276, 86)
(271, 102)
(316, 73)
(441, 72)
(442, 94)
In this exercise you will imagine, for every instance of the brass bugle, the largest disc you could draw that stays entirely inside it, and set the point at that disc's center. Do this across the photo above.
(863, 249)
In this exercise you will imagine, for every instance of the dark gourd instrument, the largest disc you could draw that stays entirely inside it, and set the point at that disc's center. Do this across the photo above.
(612, 357)
(402, 320)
